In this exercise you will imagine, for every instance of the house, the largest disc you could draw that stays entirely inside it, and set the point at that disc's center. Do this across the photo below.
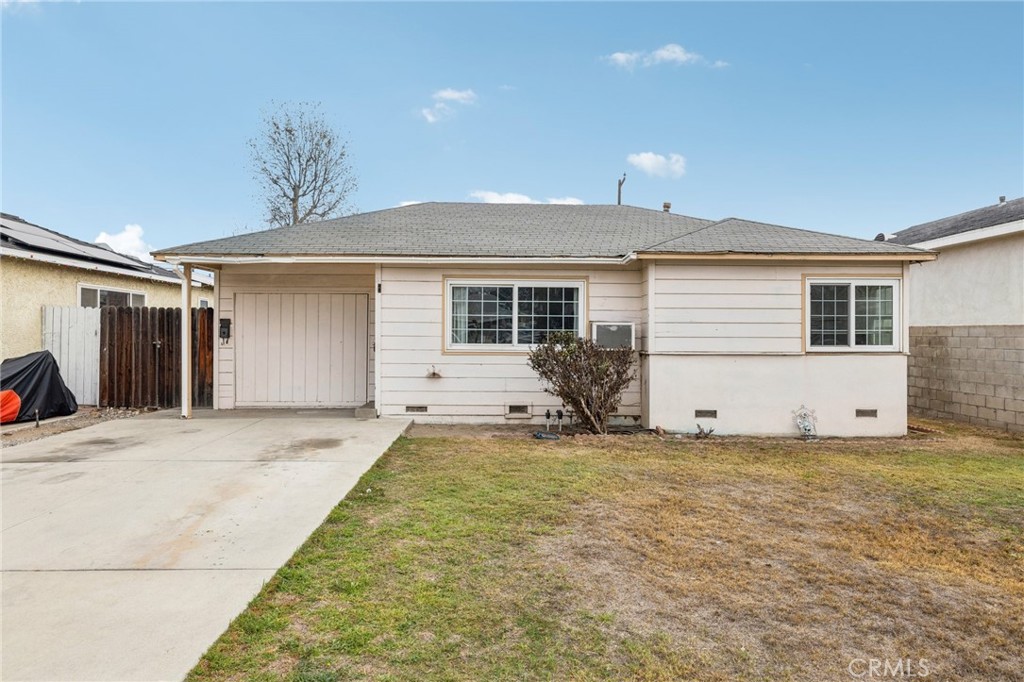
(40, 267)
(967, 317)
(430, 310)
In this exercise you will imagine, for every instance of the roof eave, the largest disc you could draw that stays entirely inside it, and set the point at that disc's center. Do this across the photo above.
(222, 259)
(87, 265)
(911, 256)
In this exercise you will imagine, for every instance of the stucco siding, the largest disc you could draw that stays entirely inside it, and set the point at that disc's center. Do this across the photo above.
(27, 285)
(273, 278)
(738, 308)
(757, 394)
(979, 283)
(478, 386)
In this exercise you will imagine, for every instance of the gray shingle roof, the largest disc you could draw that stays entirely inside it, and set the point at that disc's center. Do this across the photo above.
(525, 231)
(1006, 212)
(735, 235)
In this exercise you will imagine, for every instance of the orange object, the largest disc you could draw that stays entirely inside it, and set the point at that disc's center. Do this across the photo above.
(10, 406)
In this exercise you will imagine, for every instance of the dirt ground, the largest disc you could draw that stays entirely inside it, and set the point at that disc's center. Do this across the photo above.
(14, 434)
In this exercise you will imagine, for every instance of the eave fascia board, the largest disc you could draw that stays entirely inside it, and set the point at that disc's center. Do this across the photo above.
(992, 232)
(886, 257)
(176, 259)
(83, 265)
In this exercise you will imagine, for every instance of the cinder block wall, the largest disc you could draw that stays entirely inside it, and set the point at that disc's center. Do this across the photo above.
(973, 374)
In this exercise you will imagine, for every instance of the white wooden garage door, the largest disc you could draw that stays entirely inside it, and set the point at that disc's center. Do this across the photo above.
(301, 349)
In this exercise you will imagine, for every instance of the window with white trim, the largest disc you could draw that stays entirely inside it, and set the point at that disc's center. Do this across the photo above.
(853, 314)
(96, 297)
(511, 314)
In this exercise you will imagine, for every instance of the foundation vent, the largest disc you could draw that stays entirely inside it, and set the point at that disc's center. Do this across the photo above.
(871, 414)
(416, 408)
(705, 414)
(518, 412)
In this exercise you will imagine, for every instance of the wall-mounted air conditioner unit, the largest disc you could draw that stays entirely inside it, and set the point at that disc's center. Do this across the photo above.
(613, 334)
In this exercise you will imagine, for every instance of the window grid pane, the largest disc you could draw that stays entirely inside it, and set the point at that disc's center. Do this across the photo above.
(542, 310)
(482, 314)
(873, 325)
(830, 315)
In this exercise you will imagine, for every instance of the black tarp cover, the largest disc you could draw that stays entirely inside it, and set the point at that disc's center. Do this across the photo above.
(36, 379)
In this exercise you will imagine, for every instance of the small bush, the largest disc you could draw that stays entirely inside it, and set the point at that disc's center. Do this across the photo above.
(588, 378)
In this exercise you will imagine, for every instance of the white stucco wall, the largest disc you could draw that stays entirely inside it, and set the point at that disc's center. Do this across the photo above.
(979, 283)
(757, 394)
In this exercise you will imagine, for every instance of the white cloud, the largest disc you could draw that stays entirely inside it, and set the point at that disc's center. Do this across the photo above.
(624, 60)
(452, 95)
(671, 166)
(441, 109)
(673, 53)
(128, 241)
(489, 197)
(506, 88)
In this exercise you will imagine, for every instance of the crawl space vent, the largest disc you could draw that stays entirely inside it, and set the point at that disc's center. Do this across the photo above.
(867, 413)
(705, 414)
(518, 412)
(415, 408)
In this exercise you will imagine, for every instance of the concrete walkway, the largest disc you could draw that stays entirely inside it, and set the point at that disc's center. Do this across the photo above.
(128, 547)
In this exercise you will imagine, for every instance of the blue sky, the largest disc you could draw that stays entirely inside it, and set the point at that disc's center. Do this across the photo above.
(852, 118)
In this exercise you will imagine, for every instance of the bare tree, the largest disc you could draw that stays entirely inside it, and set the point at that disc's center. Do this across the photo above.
(301, 165)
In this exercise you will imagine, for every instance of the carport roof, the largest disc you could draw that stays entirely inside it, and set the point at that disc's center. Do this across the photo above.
(528, 231)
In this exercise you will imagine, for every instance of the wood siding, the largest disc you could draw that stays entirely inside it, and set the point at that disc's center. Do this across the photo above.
(479, 386)
(728, 309)
(301, 349)
(286, 279)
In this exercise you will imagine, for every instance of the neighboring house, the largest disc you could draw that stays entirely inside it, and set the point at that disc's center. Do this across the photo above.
(40, 267)
(430, 309)
(967, 317)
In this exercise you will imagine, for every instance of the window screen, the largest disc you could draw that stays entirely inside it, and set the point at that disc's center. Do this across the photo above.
(89, 298)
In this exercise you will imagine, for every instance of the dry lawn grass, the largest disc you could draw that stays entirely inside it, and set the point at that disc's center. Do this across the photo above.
(637, 558)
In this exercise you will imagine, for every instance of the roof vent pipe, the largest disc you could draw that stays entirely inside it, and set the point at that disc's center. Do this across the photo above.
(667, 206)
(1002, 199)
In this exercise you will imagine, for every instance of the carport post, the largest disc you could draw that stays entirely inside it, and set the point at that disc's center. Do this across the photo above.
(186, 341)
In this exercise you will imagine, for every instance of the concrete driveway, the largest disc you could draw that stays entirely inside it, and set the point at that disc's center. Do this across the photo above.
(129, 546)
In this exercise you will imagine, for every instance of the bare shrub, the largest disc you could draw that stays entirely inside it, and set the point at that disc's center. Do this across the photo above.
(589, 379)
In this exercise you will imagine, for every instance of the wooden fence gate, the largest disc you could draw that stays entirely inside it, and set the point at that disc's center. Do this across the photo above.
(72, 335)
(140, 357)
